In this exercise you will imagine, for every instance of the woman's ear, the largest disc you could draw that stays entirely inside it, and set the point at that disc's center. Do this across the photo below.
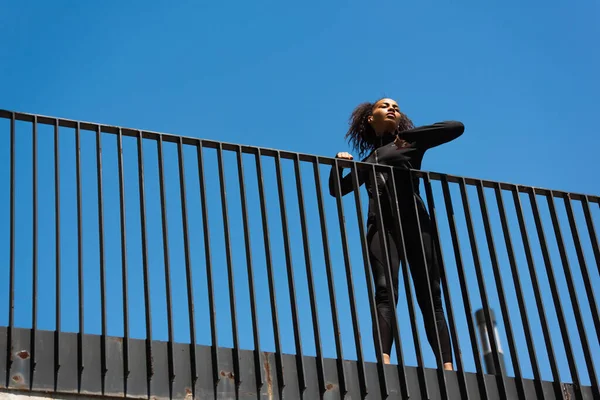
(370, 119)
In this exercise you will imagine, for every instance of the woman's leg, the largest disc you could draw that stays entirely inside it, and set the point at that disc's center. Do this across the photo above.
(382, 297)
(417, 268)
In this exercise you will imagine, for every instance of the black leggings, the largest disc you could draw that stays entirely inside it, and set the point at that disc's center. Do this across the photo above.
(417, 268)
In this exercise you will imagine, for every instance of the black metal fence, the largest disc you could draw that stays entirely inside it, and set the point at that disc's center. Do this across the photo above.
(142, 235)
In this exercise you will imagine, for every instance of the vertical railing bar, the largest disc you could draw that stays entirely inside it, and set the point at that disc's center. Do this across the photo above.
(123, 259)
(463, 285)
(57, 255)
(146, 272)
(519, 291)
(538, 297)
(337, 333)
(11, 293)
(574, 300)
(258, 370)
(390, 287)
(588, 287)
(500, 289)
(446, 288)
(350, 285)
(102, 258)
(482, 289)
(188, 267)
(34, 241)
(270, 275)
(404, 265)
(11, 289)
(166, 259)
(554, 290)
(80, 360)
(209, 275)
(438, 346)
(583, 266)
(309, 277)
(383, 384)
(593, 238)
(290, 276)
(230, 273)
(591, 230)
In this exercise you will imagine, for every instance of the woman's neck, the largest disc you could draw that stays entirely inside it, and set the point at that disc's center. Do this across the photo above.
(386, 137)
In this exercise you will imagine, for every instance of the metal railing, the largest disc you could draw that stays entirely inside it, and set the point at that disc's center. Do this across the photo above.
(143, 235)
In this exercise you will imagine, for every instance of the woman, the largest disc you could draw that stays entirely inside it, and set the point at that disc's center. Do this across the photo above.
(390, 138)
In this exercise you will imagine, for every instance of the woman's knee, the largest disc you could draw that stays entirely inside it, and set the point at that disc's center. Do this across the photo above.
(383, 295)
(436, 288)
(425, 301)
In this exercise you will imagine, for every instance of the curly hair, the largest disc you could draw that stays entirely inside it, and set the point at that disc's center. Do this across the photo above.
(361, 136)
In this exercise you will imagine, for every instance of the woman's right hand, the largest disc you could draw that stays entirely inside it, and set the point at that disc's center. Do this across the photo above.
(344, 155)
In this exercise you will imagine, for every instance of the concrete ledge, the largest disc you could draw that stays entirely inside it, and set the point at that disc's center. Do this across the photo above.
(19, 395)
(18, 380)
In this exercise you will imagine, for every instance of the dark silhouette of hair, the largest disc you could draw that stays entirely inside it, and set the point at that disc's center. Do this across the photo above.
(361, 136)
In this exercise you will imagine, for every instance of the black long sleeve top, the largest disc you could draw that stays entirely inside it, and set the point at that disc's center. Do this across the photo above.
(419, 140)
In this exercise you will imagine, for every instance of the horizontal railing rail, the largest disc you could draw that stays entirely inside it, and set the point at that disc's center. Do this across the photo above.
(144, 235)
(290, 155)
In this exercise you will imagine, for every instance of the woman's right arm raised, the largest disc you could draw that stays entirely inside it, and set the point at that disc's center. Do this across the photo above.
(346, 181)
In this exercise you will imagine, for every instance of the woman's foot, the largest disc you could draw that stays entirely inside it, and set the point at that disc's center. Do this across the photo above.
(448, 366)
(386, 358)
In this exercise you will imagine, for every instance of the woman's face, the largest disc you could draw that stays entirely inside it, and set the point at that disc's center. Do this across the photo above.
(386, 116)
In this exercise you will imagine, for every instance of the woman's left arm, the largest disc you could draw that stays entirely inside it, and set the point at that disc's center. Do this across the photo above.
(434, 135)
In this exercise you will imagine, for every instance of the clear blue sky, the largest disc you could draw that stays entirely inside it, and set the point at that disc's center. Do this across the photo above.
(522, 77)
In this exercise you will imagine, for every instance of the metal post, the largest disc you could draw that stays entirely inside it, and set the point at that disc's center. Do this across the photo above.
(486, 345)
